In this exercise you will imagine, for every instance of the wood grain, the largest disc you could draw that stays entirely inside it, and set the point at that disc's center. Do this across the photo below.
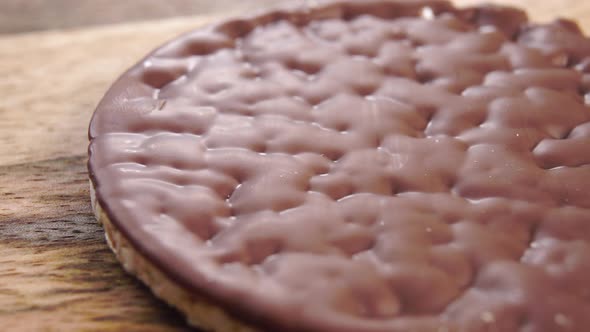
(56, 272)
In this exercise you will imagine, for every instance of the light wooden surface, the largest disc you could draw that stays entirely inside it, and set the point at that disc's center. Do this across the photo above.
(56, 272)
(28, 15)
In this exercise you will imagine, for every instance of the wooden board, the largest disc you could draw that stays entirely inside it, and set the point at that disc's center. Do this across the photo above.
(56, 272)
(29, 15)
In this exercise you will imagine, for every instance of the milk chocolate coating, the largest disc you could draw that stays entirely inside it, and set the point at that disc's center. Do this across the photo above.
(361, 166)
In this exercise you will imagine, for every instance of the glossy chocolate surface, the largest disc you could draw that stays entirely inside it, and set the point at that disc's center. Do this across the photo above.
(361, 166)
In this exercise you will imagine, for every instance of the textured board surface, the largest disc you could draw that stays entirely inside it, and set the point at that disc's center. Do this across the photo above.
(56, 272)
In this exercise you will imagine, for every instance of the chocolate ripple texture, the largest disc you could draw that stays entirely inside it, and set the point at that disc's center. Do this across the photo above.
(361, 166)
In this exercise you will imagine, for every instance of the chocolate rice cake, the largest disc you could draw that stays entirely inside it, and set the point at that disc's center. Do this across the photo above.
(356, 166)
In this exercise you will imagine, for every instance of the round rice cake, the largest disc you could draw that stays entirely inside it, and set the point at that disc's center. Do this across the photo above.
(356, 166)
